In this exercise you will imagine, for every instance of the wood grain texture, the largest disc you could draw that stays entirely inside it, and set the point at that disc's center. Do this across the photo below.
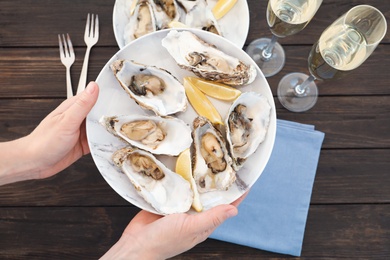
(61, 233)
(347, 176)
(77, 215)
(334, 231)
(81, 184)
(344, 176)
(31, 73)
(69, 16)
(26, 23)
(38, 72)
(336, 116)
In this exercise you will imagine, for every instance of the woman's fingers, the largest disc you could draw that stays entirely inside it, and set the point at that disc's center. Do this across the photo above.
(80, 108)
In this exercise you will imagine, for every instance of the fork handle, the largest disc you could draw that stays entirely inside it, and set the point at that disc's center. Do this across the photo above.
(84, 70)
(69, 91)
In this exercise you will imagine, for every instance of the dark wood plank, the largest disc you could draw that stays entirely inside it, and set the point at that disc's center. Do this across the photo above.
(81, 184)
(60, 233)
(31, 72)
(38, 72)
(333, 231)
(343, 176)
(348, 231)
(20, 117)
(77, 215)
(352, 176)
(26, 23)
(54, 18)
(349, 122)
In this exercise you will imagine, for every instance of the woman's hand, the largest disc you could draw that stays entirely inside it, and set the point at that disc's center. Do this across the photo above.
(58, 141)
(150, 236)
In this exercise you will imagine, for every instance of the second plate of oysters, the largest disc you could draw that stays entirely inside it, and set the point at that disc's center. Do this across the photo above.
(143, 120)
(134, 18)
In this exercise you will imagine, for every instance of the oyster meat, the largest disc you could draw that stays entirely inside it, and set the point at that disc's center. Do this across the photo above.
(212, 168)
(205, 60)
(142, 22)
(155, 134)
(151, 87)
(247, 124)
(166, 191)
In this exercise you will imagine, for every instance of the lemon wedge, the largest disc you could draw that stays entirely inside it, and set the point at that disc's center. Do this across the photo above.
(132, 6)
(201, 103)
(215, 90)
(184, 168)
(222, 7)
(177, 24)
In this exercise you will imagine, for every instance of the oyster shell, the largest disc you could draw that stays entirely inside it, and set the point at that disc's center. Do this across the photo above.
(186, 5)
(247, 124)
(151, 87)
(212, 168)
(200, 16)
(142, 22)
(154, 134)
(165, 11)
(165, 190)
(205, 60)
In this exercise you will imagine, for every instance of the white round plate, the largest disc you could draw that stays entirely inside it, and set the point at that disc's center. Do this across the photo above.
(114, 101)
(234, 25)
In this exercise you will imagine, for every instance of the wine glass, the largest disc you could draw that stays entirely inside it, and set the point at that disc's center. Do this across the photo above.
(284, 17)
(342, 47)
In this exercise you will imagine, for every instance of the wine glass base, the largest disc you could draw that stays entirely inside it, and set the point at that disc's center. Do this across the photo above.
(270, 66)
(295, 102)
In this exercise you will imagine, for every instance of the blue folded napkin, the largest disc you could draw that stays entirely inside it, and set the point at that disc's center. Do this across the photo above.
(273, 215)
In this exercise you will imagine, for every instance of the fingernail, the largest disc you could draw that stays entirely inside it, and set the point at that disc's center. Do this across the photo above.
(90, 88)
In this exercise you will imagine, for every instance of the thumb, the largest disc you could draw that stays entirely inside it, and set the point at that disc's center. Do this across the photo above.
(212, 218)
(85, 100)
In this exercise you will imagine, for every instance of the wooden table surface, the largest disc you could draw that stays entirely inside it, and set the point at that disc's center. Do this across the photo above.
(76, 214)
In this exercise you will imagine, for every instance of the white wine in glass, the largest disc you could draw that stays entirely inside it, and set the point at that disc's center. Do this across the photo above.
(284, 17)
(342, 47)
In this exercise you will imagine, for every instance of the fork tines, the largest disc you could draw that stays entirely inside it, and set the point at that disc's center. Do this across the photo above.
(67, 58)
(91, 37)
(66, 47)
(92, 26)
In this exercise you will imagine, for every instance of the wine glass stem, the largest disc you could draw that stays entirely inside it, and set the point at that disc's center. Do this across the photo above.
(300, 89)
(267, 52)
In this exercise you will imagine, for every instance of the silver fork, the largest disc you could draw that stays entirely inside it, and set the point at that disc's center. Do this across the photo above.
(67, 58)
(91, 36)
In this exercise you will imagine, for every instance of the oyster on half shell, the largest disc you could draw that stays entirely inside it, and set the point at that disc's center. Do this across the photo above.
(247, 125)
(205, 60)
(165, 11)
(142, 22)
(166, 191)
(200, 16)
(151, 87)
(154, 134)
(212, 168)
